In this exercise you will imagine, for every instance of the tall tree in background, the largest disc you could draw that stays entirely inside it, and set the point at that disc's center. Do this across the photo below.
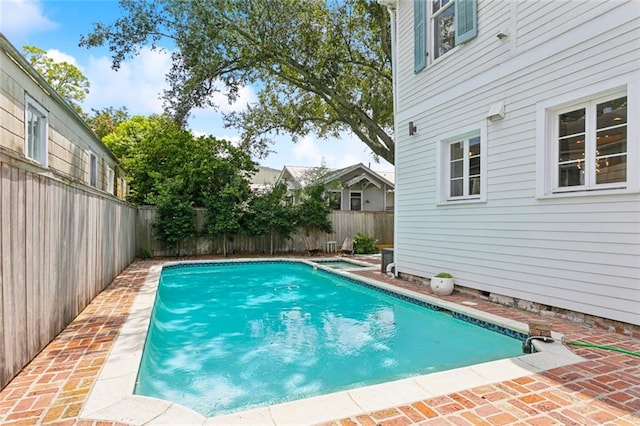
(106, 120)
(154, 150)
(64, 77)
(319, 66)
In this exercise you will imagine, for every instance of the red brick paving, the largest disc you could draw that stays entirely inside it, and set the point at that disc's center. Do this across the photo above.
(603, 390)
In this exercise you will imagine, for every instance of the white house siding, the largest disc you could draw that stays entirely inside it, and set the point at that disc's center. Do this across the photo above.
(580, 253)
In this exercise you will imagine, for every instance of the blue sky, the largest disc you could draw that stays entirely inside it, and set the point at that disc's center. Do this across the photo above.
(56, 26)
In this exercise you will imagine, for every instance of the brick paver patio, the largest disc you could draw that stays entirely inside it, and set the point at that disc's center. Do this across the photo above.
(603, 390)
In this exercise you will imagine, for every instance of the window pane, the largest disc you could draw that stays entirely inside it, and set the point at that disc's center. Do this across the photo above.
(612, 113)
(456, 188)
(456, 151)
(444, 31)
(571, 174)
(611, 169)
(35, 135)
(474, 146)
(474, 166)
(457, 169)
(571, 123)
(474, 185)
(611, 141)
(571, 149)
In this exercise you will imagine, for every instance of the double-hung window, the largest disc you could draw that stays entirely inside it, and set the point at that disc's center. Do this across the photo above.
(441, 25)
(589, 144)
(36, 128)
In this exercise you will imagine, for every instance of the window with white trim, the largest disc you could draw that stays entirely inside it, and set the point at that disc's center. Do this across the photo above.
(355, 201)
(464, 169)
(461, 169)
(590, 144)
(36, 131)
(93, 169)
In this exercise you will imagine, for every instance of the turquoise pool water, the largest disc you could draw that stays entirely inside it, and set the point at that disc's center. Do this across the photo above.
(232, 336)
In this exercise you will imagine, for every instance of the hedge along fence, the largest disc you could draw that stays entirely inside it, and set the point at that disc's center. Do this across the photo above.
(378, 225)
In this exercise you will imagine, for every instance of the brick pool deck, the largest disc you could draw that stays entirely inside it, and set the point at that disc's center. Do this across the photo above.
(602, 390)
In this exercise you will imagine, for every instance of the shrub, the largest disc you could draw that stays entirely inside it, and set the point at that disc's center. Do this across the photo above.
(364, 244)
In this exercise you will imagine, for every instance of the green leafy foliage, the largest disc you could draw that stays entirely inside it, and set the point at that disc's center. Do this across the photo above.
(319, 66)
(364, 244)
(268, 215)
(65, 78)
(313, 212)
(153, 150)
(226, 209)
(175, 217)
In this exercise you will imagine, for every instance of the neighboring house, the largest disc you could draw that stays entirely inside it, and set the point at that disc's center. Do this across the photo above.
(518, 149)
(264, 178)
(354, 188)
(42, 130)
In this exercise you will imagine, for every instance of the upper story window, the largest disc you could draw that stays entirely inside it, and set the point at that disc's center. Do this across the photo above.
(36, 131)
(440, 25)
(93, 169)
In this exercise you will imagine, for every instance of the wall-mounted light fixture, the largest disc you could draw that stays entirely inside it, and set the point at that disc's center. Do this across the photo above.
(496, 112)
(412, 128)
(502, 35)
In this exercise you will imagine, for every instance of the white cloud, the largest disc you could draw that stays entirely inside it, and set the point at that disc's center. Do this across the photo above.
(21, 17)
(59, 56)
(307, 152)
(138, 84)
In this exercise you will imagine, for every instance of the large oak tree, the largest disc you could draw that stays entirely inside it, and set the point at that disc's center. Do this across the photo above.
(318, 66)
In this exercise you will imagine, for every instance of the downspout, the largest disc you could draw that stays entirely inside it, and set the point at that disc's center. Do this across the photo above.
(391, 8)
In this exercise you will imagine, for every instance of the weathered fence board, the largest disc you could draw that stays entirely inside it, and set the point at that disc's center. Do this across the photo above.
(60, 245)
(378, 225)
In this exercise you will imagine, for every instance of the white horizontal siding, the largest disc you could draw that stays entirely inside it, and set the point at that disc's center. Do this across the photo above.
(580, 253)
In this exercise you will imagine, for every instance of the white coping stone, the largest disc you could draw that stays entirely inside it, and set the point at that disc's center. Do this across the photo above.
(371, 398)
(112, 399)
(315, 410)
(256, 416)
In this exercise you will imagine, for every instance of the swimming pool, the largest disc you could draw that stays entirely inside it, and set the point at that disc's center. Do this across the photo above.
(111, 397)
(231, 336)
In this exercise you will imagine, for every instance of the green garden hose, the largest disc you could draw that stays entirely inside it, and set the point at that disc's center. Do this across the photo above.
(609, 348)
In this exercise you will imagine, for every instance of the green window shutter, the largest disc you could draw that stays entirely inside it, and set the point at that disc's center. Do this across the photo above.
(466, 20)
(419, 35)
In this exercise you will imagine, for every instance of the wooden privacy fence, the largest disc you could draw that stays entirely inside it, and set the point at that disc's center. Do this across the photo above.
(378, 225)
(60, 246)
